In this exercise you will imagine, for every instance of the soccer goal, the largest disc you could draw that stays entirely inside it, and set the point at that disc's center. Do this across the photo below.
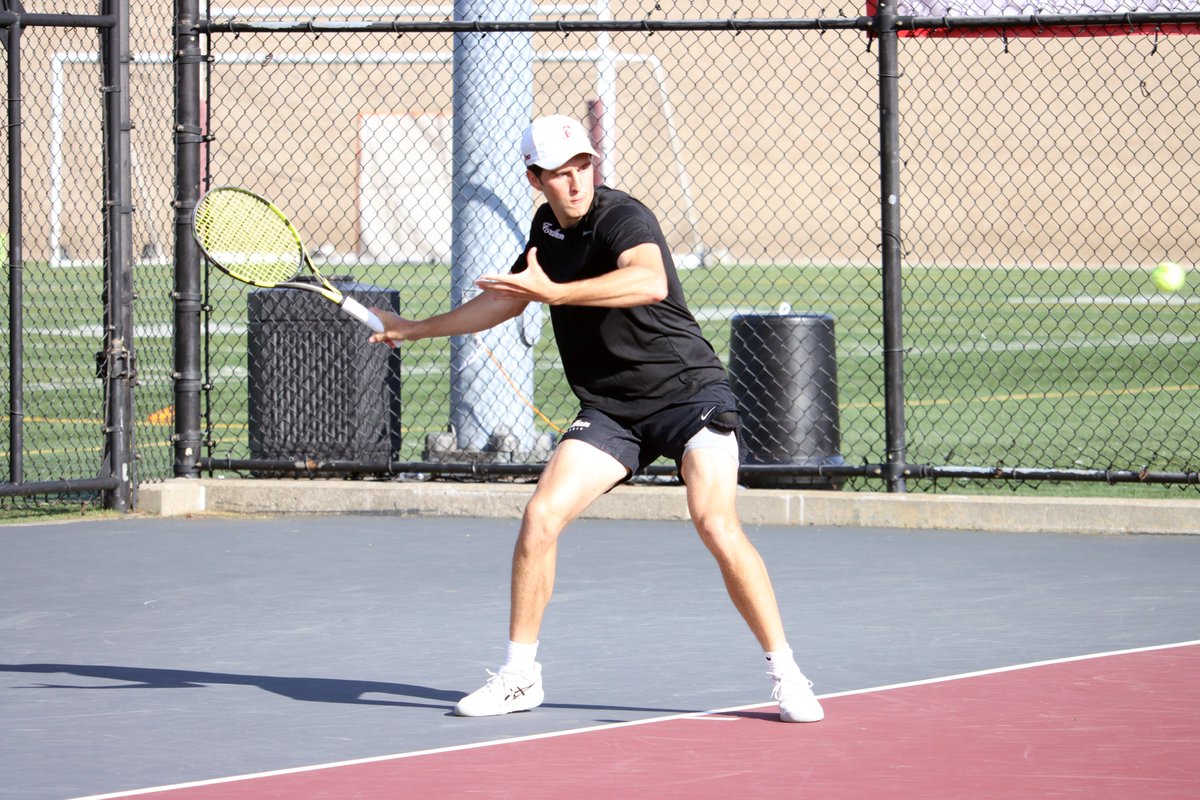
(405, 162)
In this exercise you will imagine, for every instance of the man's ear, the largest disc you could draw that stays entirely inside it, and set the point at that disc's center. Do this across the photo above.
(533, 179)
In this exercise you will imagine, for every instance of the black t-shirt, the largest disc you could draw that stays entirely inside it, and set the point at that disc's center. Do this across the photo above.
(627, 362)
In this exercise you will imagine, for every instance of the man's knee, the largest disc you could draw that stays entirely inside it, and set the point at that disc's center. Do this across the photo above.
(721, 533)
(543, 520)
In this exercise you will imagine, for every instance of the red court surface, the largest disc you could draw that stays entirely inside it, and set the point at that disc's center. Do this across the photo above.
(1120, 725)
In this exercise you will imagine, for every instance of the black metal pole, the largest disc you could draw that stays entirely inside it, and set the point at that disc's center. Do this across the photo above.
(36, 488)
(30, 20)
(16, 287)
(889, 196)
(189, 138)
(234, 25)
(118, 361)
(483, 468)
(1110, 476)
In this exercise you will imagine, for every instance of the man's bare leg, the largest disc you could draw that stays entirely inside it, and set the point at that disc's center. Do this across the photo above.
(577, 474)
(711, 478)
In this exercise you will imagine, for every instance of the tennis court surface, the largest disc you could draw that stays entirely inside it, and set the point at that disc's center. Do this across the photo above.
(320, 656)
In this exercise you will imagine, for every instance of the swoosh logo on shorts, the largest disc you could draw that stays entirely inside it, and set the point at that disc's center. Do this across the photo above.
(708, 413)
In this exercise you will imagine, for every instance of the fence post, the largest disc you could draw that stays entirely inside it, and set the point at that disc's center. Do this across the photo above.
(189, 140)
(16, 259)
(889, 196)
(117, 361)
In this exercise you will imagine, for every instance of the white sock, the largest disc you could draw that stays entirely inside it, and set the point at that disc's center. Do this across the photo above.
(781, 661)
(520, 657)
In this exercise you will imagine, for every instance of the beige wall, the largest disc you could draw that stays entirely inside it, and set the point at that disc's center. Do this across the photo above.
(1074, 152)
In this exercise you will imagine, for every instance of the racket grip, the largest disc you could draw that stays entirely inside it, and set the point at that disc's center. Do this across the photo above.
(362, 314)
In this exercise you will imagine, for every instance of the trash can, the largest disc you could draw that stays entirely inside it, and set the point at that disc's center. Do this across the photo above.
(318, 390)
(783, 369)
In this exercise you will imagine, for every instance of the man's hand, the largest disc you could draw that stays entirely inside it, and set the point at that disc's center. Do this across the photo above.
(395, 328)
(639, 279)
(530, 286)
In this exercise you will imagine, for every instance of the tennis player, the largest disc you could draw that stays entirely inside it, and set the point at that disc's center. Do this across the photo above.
(648, 383)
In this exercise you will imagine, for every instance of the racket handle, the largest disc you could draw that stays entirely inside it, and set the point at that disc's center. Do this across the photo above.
(362, 314)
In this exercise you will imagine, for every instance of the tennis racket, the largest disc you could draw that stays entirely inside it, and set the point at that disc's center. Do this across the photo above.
(250, 239)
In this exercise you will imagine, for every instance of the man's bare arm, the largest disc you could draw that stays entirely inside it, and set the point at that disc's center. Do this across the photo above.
(640, 279)
(481, 312)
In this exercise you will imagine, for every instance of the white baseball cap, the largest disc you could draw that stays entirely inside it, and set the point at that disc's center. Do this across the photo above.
(552, 141)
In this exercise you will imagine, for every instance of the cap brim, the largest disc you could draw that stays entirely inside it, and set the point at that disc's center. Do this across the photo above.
(552, 163)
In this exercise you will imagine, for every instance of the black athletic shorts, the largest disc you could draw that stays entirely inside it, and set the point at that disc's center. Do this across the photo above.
(664, 433)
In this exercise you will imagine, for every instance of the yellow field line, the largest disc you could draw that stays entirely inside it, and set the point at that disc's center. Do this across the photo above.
(875, 404)
(61, 420)
(993, 398)
(941, 401)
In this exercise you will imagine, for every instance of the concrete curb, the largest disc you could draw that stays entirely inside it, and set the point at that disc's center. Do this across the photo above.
(182, 497)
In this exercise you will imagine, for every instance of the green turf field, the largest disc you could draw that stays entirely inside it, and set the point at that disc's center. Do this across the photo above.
(1053, 368)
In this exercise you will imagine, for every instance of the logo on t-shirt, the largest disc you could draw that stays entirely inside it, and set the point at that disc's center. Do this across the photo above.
(552, 232)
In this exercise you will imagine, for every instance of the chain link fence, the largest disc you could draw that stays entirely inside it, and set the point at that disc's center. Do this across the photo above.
(58, 315)
(763, 179)
(1041, 177)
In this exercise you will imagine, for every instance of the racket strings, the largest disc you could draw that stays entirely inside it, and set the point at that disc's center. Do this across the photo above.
(248, 237)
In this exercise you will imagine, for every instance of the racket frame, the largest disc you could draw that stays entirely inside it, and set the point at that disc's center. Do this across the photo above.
(347, 304)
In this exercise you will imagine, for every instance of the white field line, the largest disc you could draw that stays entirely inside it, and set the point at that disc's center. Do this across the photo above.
(851, 349)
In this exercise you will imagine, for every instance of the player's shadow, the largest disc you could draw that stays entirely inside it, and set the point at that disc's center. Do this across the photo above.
(309, 690)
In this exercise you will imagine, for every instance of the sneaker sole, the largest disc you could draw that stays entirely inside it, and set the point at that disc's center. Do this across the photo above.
(530, 704)
(797, 718)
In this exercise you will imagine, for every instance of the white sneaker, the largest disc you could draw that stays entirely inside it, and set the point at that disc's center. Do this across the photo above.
(797, 703)
(505, 692)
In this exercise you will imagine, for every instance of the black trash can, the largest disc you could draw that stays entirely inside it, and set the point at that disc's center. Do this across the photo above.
(318, 390)
(783, 369)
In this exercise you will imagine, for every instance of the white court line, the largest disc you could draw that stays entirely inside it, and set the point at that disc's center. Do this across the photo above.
(629, 724)
(999, 670)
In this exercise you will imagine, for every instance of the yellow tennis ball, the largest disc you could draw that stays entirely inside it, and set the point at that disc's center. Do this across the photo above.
(1168, 276)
